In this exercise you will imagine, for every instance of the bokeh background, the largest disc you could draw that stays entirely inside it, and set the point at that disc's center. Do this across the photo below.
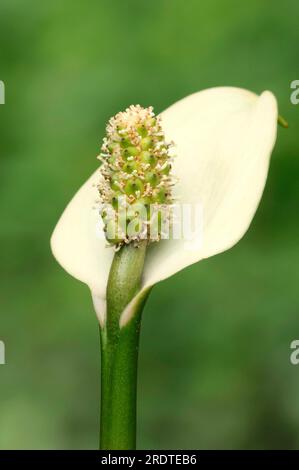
(214, 360)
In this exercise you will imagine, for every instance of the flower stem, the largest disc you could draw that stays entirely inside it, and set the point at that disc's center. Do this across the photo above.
(119, 349)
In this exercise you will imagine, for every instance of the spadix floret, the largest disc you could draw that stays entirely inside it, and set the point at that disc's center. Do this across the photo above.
(136, 168)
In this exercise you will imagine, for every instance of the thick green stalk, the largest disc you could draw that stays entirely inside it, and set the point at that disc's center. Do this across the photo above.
(119, 348)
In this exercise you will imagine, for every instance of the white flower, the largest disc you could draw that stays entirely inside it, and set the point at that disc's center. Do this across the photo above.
(224, 138)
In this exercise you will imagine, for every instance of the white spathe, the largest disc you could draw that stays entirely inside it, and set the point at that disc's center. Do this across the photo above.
(224, 138)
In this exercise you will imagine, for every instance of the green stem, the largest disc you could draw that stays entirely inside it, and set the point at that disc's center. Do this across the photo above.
(119, 349)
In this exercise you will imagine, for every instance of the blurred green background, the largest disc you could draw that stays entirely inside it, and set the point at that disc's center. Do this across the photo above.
(215, 346)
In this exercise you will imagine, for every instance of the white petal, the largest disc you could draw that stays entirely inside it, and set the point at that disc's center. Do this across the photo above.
(224, 139)
(79, 245)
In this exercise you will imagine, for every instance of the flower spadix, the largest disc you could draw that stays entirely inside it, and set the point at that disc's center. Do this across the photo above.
(224, 138)
(136, 181)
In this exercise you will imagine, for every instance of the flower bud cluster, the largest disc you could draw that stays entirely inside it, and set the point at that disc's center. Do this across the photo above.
(136, 179)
